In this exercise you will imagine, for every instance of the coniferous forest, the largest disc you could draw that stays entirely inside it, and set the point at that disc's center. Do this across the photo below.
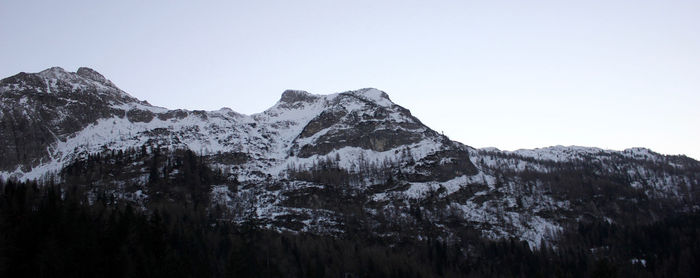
(50, 229)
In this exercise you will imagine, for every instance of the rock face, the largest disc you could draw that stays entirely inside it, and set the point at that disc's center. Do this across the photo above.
(330, 163)
(356, 119)
(40, 109)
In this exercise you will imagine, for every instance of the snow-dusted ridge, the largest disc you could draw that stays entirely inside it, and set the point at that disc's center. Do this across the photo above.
(56, 118)
(561, 153)
(269, 135)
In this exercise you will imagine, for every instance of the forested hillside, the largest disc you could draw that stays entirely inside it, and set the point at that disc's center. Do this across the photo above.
(56, 230)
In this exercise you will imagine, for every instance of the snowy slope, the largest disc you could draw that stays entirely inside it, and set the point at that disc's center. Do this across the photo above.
(270, 137)
(401, 172)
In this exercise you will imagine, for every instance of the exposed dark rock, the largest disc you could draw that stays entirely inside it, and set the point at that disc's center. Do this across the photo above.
(365, 135)
(137, 115)
(28, 81)
(91, 74)
(327, 119)
(201, 114)
(177, 114)
(292, 96)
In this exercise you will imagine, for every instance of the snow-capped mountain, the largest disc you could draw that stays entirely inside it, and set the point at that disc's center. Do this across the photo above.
(347, 162)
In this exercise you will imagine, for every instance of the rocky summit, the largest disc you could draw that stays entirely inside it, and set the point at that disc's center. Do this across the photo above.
(347, 163)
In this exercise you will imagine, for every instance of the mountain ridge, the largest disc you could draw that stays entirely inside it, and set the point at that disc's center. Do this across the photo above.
(287, 160)
(87, 72)
(289, 100)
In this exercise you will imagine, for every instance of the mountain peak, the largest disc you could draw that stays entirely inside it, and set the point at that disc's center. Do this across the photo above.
(91, 74)
(84, 75)
(54, 72)
(373, 95)
(56, 80)
(372, 92)
(292, 96)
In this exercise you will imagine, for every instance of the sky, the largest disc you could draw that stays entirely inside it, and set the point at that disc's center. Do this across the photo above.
(508, 74)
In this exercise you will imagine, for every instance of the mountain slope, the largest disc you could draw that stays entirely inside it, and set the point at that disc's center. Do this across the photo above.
(351, 162)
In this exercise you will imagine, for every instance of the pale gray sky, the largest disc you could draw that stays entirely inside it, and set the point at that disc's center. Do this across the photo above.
(509, 74)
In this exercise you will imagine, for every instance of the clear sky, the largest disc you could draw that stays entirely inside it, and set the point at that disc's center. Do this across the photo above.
(508, 74)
